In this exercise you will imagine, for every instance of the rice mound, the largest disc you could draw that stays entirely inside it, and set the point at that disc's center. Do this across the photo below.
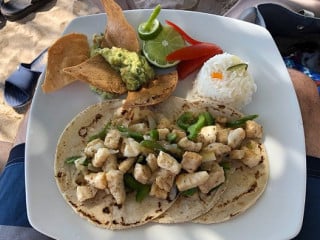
(235, 87)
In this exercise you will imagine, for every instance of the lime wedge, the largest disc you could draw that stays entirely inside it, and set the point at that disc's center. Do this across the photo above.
(151, 33)
(157, 49)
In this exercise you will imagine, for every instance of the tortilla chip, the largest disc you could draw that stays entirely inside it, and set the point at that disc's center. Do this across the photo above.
(98, 73)
(69, 50)
(157, 91)
(119, 32)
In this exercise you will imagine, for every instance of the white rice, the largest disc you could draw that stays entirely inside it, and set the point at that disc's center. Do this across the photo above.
(235, 88)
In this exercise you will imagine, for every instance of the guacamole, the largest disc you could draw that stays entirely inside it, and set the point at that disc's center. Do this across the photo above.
(133, 68)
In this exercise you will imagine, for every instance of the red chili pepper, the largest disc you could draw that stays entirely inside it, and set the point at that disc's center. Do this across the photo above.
(194, 51)
(183, 33)
(185, 68)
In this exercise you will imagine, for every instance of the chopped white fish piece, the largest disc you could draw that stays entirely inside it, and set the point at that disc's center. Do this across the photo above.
(116, 185)
(237, 154)
(131, 148)
(189, 145)
(141, 173)
(168, 162)
(151, 160)
(112, 139)
(163, 132)
(207, 134)
(93, 146)
(219, 149)
(157, 192)
(165, 179)
(85, 192)
(97, 180)
(252, 156)
(235, 137)
(126, 164)
(110, 164)
(216, 177)
(101, 156)
(185, 181)
(253, 129)
(191, 161)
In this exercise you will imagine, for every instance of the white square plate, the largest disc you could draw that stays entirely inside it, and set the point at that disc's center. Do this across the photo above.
(278, 213)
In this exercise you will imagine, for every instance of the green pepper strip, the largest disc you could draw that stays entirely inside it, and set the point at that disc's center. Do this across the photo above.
(153, 145)
(72, 159)
(135, 135)
(154, 134)
(209, 118)
(142, 190)
(172, 137)
(189, 192)
(241, 121)
(185, 120)
(195, 128)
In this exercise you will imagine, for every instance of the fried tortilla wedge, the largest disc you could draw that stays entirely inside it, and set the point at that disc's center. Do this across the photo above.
(67, 51)
(98, 73)
(157, 91)
(119, 32)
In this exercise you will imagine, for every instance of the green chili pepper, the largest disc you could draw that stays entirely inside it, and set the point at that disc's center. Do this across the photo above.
(71, 160)
(131, 182)
(195, 128)
(142, 190)
(209, 118)
(153, 145)
(135, 135)
(189, 192)
(154, 134)
(171, 137)
(240, 122)
(102, 134)
(185, 120)
(173, 150)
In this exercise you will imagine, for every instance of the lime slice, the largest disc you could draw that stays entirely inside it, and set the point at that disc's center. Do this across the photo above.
(157, 49)
(151, 33)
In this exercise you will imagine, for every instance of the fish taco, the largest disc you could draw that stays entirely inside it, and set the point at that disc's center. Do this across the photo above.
(172, 162)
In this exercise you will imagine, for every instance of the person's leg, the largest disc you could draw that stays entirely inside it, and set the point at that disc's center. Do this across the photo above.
(5, 148)
(14, 222)
(309, 101)
(12, 180)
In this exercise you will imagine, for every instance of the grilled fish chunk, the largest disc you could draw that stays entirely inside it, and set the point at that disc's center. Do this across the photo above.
(187, 181)
(142, 173)
(189, 145)
(191, 161)
(235, 137)
(116, 185)
(97, 180)
(85, 192)
(253, 129)
(216, 177)
(112, 139)
(168, 162)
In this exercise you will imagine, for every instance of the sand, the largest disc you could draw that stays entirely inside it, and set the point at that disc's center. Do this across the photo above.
(23, 40)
